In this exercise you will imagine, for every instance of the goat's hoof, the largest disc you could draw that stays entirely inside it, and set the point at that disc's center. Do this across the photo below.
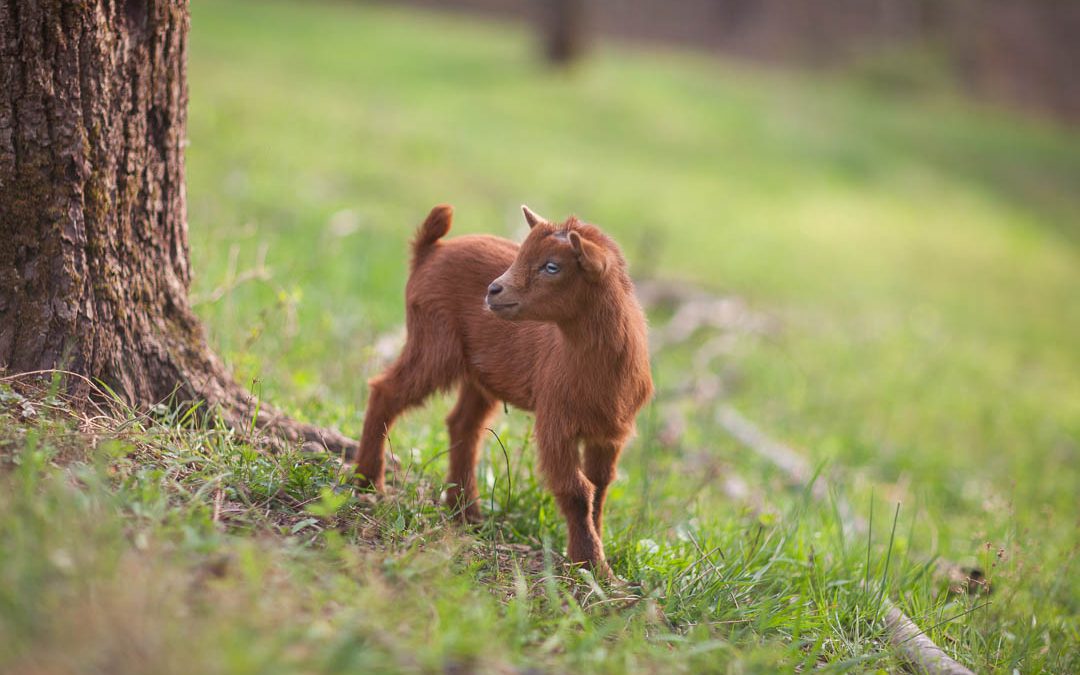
(596, 567)
(598, 573)
(615, 581)
(361, 481)
(470, 515)
(602, 572)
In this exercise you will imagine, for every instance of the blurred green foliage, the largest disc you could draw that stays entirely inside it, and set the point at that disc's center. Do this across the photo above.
(917, 255)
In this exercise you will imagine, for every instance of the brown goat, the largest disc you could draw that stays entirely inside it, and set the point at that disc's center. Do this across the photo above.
(559, 333)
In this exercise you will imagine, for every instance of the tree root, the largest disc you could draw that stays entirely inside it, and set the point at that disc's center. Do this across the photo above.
(255, 421)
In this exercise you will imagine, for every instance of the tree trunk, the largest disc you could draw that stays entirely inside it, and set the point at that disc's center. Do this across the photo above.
(94, 271)
(565, 31)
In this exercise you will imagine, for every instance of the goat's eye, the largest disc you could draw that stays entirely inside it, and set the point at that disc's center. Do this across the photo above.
(551, 268)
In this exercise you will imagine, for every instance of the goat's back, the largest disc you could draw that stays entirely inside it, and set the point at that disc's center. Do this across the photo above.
(446, 292)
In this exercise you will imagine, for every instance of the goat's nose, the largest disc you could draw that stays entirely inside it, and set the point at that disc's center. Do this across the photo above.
(495, 288)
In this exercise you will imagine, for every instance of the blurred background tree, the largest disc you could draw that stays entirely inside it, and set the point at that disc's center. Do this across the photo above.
(1015, 52)
(566, 26)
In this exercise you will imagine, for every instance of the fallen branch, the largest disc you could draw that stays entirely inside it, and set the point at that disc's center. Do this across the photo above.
(693, 310)
(792, 464)
(915, 649)
(909, 642)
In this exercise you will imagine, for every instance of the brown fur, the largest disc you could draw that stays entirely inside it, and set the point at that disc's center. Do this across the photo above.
(569, 345)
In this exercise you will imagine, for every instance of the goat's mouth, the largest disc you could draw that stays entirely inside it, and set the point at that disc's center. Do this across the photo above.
(499, 307)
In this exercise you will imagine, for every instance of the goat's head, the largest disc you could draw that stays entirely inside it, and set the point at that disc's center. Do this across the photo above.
(559, 270)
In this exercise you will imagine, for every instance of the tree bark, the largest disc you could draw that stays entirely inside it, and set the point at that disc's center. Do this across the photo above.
(94, 270)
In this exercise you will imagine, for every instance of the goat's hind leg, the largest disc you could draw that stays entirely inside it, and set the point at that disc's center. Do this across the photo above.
(466, 426)
(412, 378)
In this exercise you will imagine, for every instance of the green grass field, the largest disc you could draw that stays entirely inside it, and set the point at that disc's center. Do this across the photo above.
(915, 257)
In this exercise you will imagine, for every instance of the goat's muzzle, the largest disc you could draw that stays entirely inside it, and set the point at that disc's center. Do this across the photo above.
(498, 302)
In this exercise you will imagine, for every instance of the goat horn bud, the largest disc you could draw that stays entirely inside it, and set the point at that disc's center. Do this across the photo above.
(531, 217)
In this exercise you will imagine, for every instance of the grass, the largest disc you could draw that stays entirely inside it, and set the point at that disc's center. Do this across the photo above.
(915, 256)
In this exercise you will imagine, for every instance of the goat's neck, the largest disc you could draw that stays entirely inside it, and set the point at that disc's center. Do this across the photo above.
(607, 333)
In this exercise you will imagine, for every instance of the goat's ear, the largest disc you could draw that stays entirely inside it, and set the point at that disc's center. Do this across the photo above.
(592, 258)
(531, 217)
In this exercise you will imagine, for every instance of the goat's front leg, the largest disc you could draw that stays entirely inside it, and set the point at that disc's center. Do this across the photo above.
(600, 461)
(560, 465)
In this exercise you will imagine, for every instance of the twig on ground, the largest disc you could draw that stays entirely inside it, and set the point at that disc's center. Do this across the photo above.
(219, 497)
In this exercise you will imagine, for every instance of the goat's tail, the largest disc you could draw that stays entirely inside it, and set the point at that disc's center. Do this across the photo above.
(434, 228)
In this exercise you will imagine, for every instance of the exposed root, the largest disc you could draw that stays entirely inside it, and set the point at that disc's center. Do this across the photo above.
(251, 419)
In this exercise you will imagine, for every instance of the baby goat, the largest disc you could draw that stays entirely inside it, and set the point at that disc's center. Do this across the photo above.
(559, 333)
